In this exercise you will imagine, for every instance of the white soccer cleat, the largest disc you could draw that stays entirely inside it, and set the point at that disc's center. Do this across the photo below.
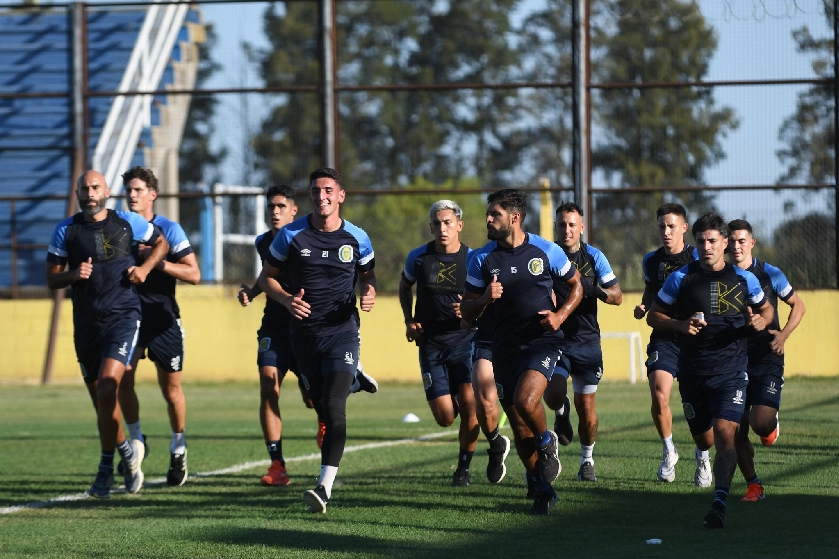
(702, 477)
(667, 470)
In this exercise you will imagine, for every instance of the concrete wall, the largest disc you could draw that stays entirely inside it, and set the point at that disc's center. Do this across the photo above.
(221, 338)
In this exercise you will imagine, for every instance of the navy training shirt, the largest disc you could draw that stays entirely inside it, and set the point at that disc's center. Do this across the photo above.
(657, 266)
(326, 266)
(107, 293)
(157, 293)
(440, 279)
(581, 325)
(719, 347)
(775, 286)
(527, 273)
(275, 317)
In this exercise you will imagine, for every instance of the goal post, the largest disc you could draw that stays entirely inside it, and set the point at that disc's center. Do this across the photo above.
(636, 352)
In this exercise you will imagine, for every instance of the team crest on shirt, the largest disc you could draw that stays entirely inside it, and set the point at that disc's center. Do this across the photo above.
(345, 253)
(500, 390)
(426, 380)
(689, 411)
(535, 266)
(264, 344)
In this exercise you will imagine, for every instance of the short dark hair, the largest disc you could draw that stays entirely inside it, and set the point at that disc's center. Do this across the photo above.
(569, 207)
(740, 225)
(144, 174)
(327, 173)
(710, 221)
(511, 199)
(279, 190)
(670, 208)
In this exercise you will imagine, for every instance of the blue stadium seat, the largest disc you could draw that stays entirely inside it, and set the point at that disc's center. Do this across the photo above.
(35, 133)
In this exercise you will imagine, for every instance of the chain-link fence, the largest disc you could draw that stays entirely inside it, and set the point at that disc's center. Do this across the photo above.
(621, 105)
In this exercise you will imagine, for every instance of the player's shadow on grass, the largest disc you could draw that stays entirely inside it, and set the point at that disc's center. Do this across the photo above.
(622, 521)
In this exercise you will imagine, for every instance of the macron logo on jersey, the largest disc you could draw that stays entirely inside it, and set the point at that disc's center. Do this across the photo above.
(495, 272)
(305, 252)
(124, 349)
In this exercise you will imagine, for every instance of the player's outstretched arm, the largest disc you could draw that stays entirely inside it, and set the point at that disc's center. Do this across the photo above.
(472, 305)
(647, 299)
(186, 269)
(159, 248)
(796, 313)
(367, 287)
(413, 329)
(248, 294)
(295, 304)
(58, 277)
(763, 318)
(611, 295)
(658, 318)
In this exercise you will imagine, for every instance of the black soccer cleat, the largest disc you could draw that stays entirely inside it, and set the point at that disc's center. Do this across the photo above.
(531, 485)
(316, 499)
(549, 466)
(543, 501)
(461, 478)
(496, 470)
(101, 488)
(176, 476)
(715, 518)
(586, 472)
(366, 383)
(562, 424)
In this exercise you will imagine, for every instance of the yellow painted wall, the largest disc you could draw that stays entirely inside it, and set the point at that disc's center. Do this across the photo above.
(221, 338)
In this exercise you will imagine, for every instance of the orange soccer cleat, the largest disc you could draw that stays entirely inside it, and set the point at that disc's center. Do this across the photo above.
(276, 476)
(754, 492)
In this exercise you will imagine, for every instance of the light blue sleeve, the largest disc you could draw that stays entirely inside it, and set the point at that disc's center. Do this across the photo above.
(143, 231)
(779, 282)
(411, 260)
(669, 292)
(365, 247)
(57, 250)
(176, 236)
(756, 295)
(602, 269)
(644, 266)
(475, 282)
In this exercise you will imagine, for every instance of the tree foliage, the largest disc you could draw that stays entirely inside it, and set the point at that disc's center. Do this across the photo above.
(809, 135)
(656, 137)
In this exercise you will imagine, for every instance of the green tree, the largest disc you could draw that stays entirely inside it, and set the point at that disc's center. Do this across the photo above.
(651, 137)
(398, 224)
(809, 135)
(388, 139)
(794, 252)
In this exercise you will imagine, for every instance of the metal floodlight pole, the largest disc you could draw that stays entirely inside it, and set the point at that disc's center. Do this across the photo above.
(580, 106)
(836, 136)
(329, 125)
(77, 16)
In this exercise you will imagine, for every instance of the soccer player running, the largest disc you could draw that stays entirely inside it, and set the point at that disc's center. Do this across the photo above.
(582, 356)
(325, 256)
(663, 349)
(766, 356)
(274, 355)
(92, 251)
(161, 332)
(515, 272)
(712, 302)
(438, 269)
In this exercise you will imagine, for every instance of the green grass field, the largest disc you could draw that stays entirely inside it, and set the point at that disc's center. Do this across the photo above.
(395, 501)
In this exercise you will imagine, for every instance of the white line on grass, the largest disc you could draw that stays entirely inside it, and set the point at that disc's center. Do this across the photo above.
(231, 470)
